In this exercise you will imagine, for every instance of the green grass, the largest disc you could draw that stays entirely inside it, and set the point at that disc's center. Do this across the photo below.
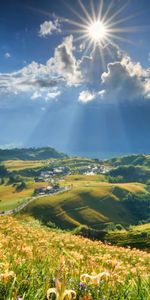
(16, 165)
(136, 236)
(132, 173)
(135, 159)
(29, 154)
(34, 259)
(89, 202)
(10, 198)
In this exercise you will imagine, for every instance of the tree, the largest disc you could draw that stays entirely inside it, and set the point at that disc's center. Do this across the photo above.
(3, 170)
(20, 186)
(2, 181)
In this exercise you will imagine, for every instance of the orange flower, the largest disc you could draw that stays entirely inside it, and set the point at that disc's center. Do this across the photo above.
(7, 275)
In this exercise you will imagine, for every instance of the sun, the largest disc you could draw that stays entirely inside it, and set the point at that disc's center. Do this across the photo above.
(97, 31)
(98, 26)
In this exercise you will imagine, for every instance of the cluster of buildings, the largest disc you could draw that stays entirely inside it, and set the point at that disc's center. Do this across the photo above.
(60, 172)
(94, 170)
(47, 175)
(47, 190)
(104, 169)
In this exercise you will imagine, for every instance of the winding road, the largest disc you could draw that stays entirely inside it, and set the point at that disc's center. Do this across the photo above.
(23, 205)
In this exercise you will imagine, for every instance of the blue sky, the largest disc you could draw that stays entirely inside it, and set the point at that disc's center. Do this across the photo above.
(57, 91)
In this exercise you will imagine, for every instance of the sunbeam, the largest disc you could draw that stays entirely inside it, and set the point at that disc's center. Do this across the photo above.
(101, 26)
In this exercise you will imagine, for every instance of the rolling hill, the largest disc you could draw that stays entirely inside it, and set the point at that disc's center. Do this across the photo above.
(137, 236)
(135, 160)
(93, 203)
(130, 173)
(30, 154)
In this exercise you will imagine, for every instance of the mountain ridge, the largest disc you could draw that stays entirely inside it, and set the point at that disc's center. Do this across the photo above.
(40, 153)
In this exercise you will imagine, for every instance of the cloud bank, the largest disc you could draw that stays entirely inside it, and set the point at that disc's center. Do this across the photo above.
(42, 80)
(115, 79)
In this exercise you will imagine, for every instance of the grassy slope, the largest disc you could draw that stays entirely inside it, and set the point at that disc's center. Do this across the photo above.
(137, 236)
(89, 202)
(9, 198)
(132, 168)
(16, 165)
(132, 173)
(31, 257)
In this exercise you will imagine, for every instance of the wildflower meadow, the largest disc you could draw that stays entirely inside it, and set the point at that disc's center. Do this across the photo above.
(37, 263)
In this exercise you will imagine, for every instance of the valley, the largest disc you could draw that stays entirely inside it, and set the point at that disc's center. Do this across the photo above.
(69, 193)
(86, 219)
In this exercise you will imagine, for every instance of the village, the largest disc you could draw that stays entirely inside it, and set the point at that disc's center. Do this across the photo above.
(56, 174)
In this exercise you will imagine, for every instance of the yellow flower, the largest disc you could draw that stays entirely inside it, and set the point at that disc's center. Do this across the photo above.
(94, 278)
(60, 292)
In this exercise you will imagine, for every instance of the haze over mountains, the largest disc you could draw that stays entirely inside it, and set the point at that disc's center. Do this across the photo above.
(93, 131)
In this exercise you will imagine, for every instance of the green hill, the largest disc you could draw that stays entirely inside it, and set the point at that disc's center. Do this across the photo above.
(131, 173)
(93, 203)
(135, 160)
(132, 168)
(30, 154)
(136, 236)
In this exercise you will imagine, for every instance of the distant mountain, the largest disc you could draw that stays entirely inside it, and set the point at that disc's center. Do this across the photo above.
(30, 154)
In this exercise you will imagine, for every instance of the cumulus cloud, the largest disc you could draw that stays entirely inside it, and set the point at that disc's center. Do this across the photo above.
(38, 79)
(94, 65)
(126, 80)
(120, 79)
(52, 95)
(49, 27)
(64, 62)
(88, 96)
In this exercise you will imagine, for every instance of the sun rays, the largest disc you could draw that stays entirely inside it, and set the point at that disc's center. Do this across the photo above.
(100, 26)
(96, 26)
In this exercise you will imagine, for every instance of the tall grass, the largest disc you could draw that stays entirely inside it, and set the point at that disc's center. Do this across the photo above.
(36, 263)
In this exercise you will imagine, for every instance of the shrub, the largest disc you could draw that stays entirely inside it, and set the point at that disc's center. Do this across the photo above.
(20, 186)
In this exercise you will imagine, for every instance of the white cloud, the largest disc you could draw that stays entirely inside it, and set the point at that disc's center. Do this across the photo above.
(49, 27)
(40, 79)
(122, 80)
(7, 55)
(126, 80)
(87, 96)
(92, 66)
(36, 95)
(52, 95)
(65, 63)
